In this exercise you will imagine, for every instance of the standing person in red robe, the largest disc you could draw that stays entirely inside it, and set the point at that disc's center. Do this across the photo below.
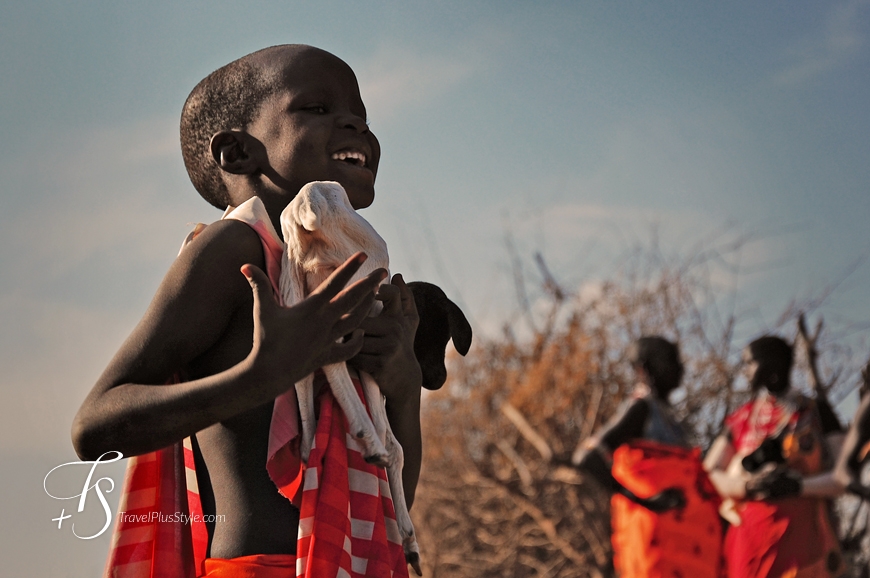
(780, 526)
(663, 507)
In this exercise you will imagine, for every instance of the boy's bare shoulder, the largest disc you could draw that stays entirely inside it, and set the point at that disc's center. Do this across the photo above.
(206, 277)
(227, 241)
(214, 257)
(195, 305)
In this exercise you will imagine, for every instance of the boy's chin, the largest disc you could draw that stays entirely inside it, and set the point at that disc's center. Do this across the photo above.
(358, 183)
(360, 198)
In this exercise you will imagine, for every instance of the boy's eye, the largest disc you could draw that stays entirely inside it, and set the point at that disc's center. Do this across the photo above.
(316, 108)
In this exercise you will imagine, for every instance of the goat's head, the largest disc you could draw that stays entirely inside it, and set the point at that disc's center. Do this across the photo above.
(440, 321)
(322, 230)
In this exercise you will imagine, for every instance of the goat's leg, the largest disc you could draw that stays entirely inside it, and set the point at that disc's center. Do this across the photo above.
(358, 421)
(305, 397)
(375, 402)
(403, 516)
(394, 471)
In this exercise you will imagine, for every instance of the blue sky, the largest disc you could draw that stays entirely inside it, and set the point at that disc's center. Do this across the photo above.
(578, 127)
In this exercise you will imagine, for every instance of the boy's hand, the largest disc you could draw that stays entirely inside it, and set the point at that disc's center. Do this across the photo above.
(291, 342)
(387, 353)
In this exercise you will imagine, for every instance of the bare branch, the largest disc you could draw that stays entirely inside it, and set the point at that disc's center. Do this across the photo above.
(550, 284)
(519, 465)
(527, 431)
(519, 280)
(810, 342)
(592, 413)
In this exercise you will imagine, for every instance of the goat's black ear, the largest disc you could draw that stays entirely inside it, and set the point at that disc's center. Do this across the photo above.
(460, 328)
(440, 320)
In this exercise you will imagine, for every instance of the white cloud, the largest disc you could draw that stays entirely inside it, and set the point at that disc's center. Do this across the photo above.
(395, 79)
(839, 39)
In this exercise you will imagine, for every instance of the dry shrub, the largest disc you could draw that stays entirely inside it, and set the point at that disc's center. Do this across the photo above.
(497, 496)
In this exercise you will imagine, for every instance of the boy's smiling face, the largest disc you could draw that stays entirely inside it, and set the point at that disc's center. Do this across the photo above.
(314, 129)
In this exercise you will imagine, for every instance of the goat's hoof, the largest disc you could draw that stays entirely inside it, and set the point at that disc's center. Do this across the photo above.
(380, 460)
(413, 558)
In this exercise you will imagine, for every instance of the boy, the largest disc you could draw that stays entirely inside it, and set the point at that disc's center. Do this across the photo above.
(262, 126)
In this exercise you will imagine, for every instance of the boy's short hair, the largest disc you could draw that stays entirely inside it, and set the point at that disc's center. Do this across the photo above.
(228, 98)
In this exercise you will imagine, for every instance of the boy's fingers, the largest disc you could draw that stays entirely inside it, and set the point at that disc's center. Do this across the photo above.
(359, 290)
(339, 278)
(343, 351)
(260, 284)
(376, 344)
(409, 306)
(353, 318)
(391, 298)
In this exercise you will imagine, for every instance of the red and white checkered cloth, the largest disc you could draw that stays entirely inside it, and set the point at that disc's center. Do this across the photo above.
(147, 541)
(347, 523)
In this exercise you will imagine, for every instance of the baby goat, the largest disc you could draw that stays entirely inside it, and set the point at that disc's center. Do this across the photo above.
(322, 230)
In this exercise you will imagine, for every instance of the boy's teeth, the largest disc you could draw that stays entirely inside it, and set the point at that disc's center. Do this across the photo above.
(344, 155)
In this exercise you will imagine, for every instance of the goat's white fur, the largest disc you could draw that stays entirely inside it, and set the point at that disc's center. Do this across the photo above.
(321, 231)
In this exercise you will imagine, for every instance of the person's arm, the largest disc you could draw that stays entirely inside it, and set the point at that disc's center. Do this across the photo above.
(132, 410)
(778, 481)
(388, 356)
(846, 469)
(824, 485)
(718, 465)
(595, 460)
(844, 476)
(833, 483)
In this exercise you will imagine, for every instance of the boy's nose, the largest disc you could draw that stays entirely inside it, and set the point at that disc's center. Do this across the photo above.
(352, 121)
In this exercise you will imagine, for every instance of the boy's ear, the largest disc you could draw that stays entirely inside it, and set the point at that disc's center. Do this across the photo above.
(236, 152)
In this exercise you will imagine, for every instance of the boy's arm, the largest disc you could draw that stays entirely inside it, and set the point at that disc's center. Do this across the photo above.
(388, 356)
(204, 295)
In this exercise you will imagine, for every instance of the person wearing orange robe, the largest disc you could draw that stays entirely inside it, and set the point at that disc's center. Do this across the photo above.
(664, 509)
